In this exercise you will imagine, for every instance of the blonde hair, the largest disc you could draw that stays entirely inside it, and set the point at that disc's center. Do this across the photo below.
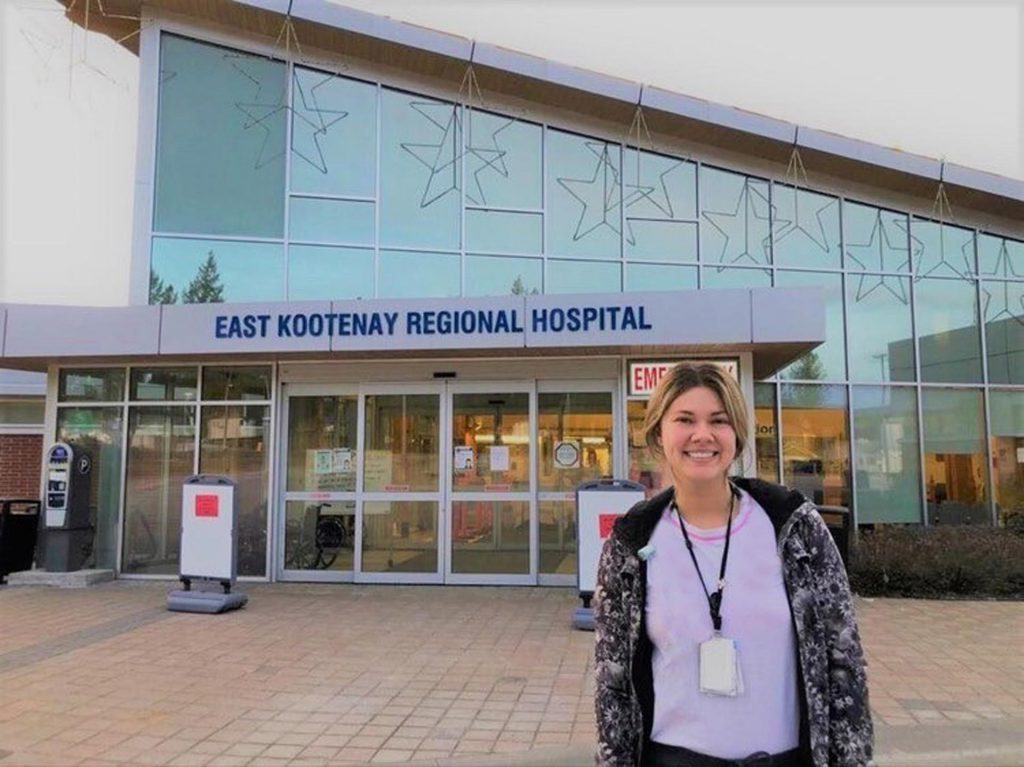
(690, 375)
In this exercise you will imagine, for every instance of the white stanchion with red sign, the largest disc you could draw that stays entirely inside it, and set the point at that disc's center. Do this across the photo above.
(598, 504)
(208, 515)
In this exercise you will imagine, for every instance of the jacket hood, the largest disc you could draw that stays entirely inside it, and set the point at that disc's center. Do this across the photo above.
(634, 528)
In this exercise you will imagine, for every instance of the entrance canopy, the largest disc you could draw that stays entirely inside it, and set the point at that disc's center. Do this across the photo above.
(776, 325)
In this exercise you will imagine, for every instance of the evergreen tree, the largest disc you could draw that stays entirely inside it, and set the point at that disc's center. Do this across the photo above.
(206, 287)
(807, 368)
(159, 292)
(518, 289)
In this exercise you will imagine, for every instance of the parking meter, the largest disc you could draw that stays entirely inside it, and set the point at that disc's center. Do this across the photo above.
(68, 531)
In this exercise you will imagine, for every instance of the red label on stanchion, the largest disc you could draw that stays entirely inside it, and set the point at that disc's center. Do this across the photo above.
(207, 506)
(607, 522)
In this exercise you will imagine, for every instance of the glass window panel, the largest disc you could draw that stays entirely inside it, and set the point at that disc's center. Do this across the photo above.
(499, 276)
(98, 431)
(491, 439)
(1003, 307)
(333, 221)
(660, 199)
(161, 456)
(643, 467)
(659, 187)
(418, 275)
(583, 277)
(334, 135)
(941, 250)
(947, 329)
(574, 431)
(245, 271)
(641, 277)
(498, 231)
(766, 439)
(735, 212)
(876, 240)
(806, 228)
(1000, 257)
(879, 328)
(955, 465)
(400, 537)
(234, 442)
(22, 412)
(221, 141)
(724, 277)
(169, 384)
(584, 196)
(316, 272)
(503, 161)
(421, 176)
(828, 361)
(557, 521)
(888, 454)
(322, 444)
(816, 442)
(91, 385)
(1007, 419)
(319, 535)
(402, 443)
(674, 241)
(237, 382)
(491, 537)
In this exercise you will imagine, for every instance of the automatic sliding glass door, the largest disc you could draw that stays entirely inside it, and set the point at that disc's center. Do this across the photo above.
(401, 486)
(490, 485)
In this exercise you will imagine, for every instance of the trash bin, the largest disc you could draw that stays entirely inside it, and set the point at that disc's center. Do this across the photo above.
(19, 524)
(839, 522)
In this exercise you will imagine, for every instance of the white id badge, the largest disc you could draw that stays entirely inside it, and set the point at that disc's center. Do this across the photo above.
(720, 667)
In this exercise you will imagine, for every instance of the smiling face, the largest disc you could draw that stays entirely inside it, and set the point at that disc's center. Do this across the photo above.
(697, 438)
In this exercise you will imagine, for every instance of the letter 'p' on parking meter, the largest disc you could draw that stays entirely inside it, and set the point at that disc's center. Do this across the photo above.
(68, 482)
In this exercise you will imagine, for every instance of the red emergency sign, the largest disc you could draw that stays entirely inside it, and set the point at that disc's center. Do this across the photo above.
(606, 522)
(207, 506)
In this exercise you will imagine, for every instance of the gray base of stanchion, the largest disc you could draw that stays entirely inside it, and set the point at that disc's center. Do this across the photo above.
(583, 618)
(208, 602)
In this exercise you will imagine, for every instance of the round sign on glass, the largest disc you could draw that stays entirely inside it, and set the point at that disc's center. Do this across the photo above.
(567, 455)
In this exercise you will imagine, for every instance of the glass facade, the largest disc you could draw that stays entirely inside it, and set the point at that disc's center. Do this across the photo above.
(153, 420)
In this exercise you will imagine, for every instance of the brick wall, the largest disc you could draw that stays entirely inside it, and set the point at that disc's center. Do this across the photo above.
(21, 458)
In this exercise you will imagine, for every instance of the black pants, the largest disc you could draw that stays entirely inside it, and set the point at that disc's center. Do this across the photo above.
(660, 755)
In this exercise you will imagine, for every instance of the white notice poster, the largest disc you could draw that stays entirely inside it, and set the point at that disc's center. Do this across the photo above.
(463, 458)
(343, 462)
(499, 458)
(567, 454)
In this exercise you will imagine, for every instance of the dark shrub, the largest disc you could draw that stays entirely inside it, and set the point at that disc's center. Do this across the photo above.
(910, 561)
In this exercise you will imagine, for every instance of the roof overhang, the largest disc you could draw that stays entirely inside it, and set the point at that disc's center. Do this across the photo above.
(325, 25)
(776, 325)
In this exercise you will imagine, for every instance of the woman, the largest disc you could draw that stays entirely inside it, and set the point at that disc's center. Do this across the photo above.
(725, 626)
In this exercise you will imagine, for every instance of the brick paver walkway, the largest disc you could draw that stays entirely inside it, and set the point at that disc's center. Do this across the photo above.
(318, 675)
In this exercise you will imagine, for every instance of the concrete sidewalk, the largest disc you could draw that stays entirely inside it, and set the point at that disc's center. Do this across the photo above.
(332, 675)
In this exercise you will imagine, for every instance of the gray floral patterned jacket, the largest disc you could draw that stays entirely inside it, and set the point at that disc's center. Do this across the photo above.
(836, 727)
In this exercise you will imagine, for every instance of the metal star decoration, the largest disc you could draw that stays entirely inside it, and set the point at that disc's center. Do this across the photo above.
(942, 211)
(598, 195)
(441, 158)
(310, 131)
(487, 159)
(879, 241)
(1004, 263)
(259, 111)
(1006, 310)
(746, 206)
(796, 174)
